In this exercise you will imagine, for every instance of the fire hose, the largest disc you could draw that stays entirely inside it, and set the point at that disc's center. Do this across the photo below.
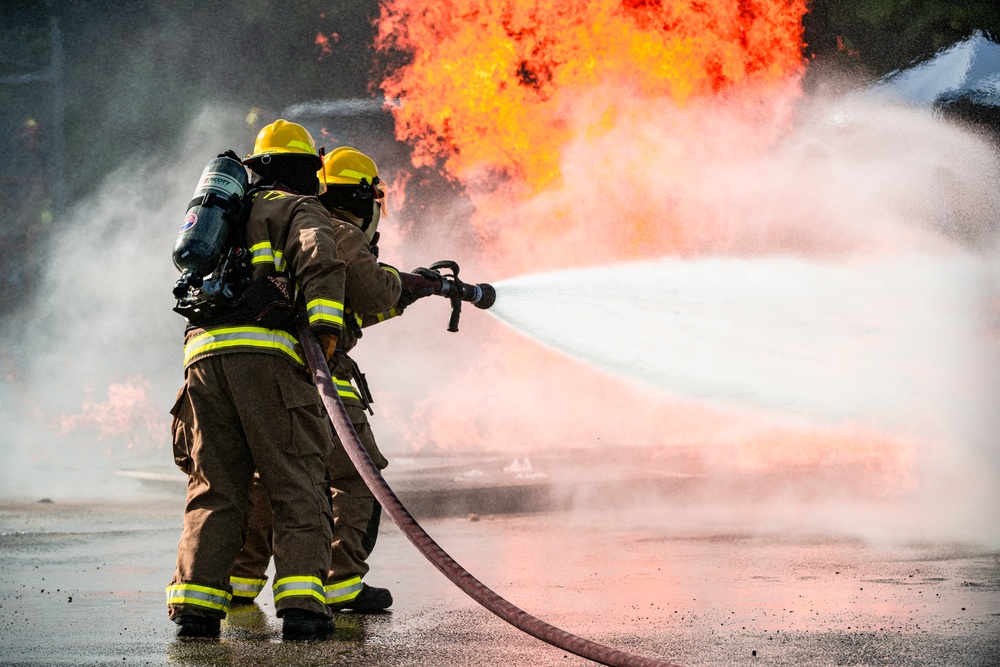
(424, 543)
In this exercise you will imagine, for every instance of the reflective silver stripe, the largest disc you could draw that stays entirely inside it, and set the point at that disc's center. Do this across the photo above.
(325, 310)
(345, 389)
(246, 588)
(201, 596)
(259, 337)
(262, 253)
(343, 591)
(299, 586)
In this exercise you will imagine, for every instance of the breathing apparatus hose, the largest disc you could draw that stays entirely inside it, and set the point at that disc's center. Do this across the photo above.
(429, 548)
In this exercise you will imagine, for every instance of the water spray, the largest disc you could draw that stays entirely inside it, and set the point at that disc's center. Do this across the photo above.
(418, 536)
(424, 282)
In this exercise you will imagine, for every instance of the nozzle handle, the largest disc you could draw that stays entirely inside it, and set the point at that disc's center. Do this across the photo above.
(448, 285)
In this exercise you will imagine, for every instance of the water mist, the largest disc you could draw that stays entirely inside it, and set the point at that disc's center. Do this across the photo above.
(848, 280)
(96, 359)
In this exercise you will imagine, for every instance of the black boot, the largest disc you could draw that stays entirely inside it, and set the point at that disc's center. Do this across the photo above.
(370, 600)
(239, 601)
(196, 626)
(302, 624)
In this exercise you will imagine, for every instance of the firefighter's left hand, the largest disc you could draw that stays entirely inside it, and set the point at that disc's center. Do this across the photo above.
(328, 342)
(408, 296)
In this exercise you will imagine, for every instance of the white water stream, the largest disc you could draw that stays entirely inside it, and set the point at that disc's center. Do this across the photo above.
(899, 343)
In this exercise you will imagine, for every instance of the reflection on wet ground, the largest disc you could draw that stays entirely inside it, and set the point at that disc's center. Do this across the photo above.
(84, 585)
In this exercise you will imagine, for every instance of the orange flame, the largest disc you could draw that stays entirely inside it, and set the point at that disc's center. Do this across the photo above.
(547, 112)
(128, 415)
(323, 42)
(488, 83)
(496, 92)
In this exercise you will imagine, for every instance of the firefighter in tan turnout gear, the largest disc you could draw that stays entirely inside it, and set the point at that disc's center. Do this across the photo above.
(355, 199)
(248, 403)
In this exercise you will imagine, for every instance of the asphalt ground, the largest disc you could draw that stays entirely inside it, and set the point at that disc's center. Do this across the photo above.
(83, 584)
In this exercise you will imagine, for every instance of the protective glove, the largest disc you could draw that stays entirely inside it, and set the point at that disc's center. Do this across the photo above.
(328, 343)
(407, 297)
(419, 283)
(429, 274)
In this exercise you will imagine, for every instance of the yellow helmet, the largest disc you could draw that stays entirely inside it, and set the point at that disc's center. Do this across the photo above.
(352, 186)
(283, 137)
(349, 166)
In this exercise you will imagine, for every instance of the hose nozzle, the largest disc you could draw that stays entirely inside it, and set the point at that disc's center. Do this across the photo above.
(481, 295)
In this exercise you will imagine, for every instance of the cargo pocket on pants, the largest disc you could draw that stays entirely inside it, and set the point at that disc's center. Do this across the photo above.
(180, 433)
(310, 434)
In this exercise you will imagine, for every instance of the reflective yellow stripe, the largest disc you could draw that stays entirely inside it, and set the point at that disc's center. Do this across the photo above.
(392, 312)
(256, 337)
(201, 596)
(299, 586)
(325, 310)
(263, 253)
(353, 174)
(343, 591)
(246, 588)
(345, 389)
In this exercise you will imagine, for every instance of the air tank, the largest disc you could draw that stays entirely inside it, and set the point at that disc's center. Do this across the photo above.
(202, 237)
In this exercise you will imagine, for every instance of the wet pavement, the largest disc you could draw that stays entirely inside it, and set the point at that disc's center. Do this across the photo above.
(83, 584)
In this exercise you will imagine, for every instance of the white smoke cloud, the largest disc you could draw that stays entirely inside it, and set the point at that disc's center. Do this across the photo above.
(96, 360)
(854, 183)
(859, 224)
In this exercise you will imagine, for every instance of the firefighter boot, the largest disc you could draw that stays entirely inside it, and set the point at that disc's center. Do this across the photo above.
(189, 625)
(370, 600)
(239, 601)
(302, 624)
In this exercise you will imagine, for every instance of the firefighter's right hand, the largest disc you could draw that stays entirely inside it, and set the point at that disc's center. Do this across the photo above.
(328, 343)
(408, 296)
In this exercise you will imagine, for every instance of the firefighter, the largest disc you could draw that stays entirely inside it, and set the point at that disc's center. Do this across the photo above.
(355, 199)
(248, 402)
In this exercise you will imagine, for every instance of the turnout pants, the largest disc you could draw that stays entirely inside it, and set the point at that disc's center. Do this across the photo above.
(356, 516)
(238, 413)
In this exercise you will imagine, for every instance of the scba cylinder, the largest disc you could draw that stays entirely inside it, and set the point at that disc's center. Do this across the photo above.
(216, 200)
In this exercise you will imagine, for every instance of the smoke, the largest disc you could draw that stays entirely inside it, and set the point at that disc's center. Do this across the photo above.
(812, 331)
(860, 228)
(816, 313)
(92, 366)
